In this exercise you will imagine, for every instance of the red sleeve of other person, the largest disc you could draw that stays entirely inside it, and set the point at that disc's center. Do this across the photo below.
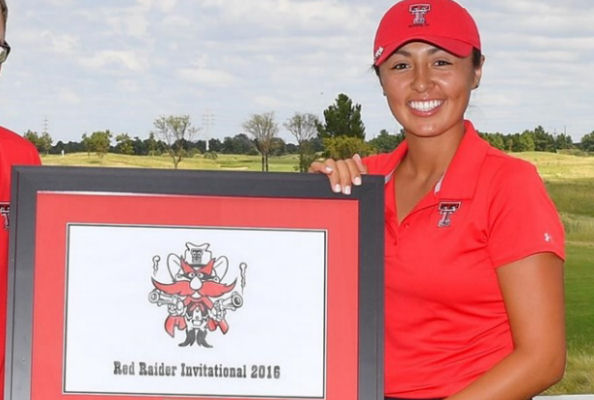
(14, 150)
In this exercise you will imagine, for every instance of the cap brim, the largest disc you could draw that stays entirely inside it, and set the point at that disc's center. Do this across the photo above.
(454, 46)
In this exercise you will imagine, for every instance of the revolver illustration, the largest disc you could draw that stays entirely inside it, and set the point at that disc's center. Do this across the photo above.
(175, 305)
(221, 306)
(232, 302)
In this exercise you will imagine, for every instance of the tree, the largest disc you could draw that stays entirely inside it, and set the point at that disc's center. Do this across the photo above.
(278, 147)
(70, 147)
(341, 147)
(304, 128)
(543, 141)
(42, 143)
(151, 144)
(523, 142)
(238, 144)
(385, 142)
(124, 144)
(86, 142)
(99, 142)
(342, 119)
(587, 142)
(200, 146)
(139, 147)
(214, 145)
(563, 141)
(45, 142)
(174, 130)
(496, 140)
(32, 136)
(263, 128)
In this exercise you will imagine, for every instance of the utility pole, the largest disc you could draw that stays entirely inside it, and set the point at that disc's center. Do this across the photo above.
(207, 122)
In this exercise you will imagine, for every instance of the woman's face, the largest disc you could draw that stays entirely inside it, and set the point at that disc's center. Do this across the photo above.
(427, 88)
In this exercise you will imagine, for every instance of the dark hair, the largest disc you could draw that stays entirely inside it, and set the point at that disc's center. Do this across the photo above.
(4, 11)
(477, 58)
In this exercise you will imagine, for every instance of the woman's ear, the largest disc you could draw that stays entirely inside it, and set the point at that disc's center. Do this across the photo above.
(478, 73)
(379, 78)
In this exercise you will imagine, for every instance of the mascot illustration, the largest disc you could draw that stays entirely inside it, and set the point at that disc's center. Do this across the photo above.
(196, 296)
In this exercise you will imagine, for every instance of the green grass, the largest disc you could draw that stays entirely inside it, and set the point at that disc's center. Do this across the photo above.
(579, 304)
(227, 162)
(573, 196)
(559, 167)
(579, 229)
(570, 183)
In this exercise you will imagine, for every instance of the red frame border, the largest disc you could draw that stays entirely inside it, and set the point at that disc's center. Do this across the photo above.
(55, 210)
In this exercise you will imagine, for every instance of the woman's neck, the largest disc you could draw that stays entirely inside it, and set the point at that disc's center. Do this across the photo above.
(428, 157)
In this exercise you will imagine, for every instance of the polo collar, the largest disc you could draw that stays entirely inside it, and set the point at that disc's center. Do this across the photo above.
(461, 176)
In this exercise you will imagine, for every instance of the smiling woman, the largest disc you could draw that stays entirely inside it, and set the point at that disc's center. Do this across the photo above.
(474, 247)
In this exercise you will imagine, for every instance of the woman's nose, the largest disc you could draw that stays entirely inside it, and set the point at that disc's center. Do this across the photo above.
(421, 79)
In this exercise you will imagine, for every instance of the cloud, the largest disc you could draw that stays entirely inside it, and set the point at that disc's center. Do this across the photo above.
(60, 43)
(68, 96)
(286, 15)
(132, 22)
(206, 76)
(59, 3)
(163, 5)
(267, 101)
(128, 60)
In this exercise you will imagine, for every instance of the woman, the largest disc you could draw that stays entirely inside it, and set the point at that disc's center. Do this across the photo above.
(474, 247)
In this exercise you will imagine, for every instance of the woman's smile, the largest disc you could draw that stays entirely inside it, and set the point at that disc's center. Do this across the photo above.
(426, 106)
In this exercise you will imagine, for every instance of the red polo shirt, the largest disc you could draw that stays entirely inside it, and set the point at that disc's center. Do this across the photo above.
(14, 150)
(445, 318)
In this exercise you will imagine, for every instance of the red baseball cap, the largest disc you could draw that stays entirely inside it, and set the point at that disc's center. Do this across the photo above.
(443, 23)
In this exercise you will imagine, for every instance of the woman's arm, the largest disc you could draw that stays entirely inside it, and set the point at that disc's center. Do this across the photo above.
(532, 290)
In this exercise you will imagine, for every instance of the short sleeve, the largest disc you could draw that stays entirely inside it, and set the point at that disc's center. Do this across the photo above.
(522, 218)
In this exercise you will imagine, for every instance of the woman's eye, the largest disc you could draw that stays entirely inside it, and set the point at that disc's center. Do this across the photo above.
(399, 66)
(441, 63)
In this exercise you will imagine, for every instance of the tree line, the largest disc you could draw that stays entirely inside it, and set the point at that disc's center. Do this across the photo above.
(339, 134)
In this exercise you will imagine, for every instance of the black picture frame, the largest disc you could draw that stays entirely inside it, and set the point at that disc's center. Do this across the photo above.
(27, 182)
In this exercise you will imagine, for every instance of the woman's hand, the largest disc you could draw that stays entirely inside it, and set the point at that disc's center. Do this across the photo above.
(341, 173)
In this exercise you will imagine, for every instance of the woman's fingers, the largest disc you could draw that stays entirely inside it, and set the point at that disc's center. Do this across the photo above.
(359, 162)
(342, 174)
(319, 167)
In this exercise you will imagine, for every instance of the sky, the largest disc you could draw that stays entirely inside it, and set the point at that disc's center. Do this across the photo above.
(79, 66)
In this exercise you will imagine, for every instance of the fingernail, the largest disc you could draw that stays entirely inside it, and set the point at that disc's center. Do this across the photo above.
(329, 169)
(356, 157)
(336, 188)
(357, 181)
(347, 190)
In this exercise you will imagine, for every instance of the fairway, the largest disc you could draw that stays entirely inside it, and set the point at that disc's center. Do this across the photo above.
(225, 162)
(570, 183)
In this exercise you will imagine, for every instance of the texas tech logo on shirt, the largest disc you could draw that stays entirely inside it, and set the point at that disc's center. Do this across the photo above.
(5, 212)
(446, 209)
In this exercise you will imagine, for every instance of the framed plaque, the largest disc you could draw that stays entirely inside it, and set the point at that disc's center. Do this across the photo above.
(144, 284)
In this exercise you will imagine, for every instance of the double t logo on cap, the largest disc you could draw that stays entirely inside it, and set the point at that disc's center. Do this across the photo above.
(419, 11)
